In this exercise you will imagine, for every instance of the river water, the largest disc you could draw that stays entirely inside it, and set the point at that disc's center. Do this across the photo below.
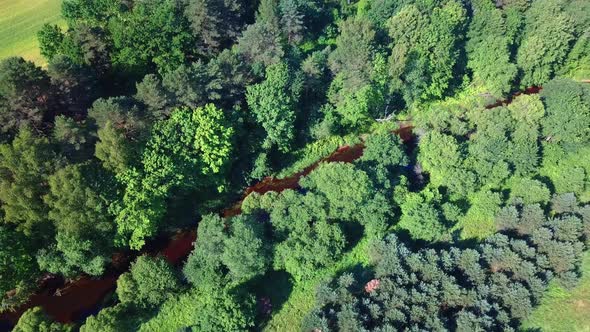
(74, 300)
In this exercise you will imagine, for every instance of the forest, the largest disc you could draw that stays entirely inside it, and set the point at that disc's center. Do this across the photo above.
(338, 165)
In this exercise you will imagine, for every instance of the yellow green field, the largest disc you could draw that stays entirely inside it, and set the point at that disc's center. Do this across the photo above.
(19, 22)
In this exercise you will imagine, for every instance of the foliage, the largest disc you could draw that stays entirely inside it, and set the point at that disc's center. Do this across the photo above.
(151, 116)
(546, 41)
(425, 48)
(50, 39)
(529, 191)
(205, 309)
(488, 49)
(344, 187)
(245, 253)
(215, 23)
(78, 201)
(568, 112)
(35, 319)
(421, 218)
(490, 287)
(353, 54)
(189, 150)
(273, 103)
(234, 255)
(261, 42)
(153, 32)
(24, 94)
(563, 309)
(149, 282)
(479, 219)
(24, 168)
(16, 263)
(112, 319)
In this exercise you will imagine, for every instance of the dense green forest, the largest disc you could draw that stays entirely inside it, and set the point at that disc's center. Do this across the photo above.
(153, 116)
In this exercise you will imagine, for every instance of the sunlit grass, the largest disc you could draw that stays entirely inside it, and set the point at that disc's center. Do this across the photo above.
(19, 22)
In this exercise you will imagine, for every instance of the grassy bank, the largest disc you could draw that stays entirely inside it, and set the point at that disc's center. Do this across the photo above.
(19, 22)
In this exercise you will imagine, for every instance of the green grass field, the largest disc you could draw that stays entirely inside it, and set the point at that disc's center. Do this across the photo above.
(19, 22)
(564, 310)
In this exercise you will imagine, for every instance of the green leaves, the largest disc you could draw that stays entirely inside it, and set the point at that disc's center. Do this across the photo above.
(273, 102)
(425, 49)
(213, 138)
(78, 206)
(488, 49)
(344, 187)
(17, 264)
(189, 150)
(149, 282)
(24, 168)
(234, 254)
(246, 251)
(547, 36)
(153, 32)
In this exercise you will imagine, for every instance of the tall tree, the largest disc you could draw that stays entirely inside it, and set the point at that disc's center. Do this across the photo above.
(273, 102)
(546, 42)
(190, 150)
(25, 94)
(25, 166)
(353, 55)
(262, 42)
(215, 23)
(149, 282)
(488, 49)
(425, 48)
(78, 199)
(17, 264)
(152, 33)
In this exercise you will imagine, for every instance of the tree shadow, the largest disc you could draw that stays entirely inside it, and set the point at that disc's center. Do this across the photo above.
(275, 286)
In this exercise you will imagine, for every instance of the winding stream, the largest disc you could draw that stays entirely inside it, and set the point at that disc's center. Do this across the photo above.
(74, 300)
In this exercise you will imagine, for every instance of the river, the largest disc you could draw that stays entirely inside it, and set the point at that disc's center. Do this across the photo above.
(74, 300)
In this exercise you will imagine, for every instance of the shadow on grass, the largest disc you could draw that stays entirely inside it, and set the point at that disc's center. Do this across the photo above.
(275, 286)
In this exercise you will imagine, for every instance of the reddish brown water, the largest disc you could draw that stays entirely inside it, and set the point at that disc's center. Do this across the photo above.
(75, 300)
(528, 91)
(343, 154)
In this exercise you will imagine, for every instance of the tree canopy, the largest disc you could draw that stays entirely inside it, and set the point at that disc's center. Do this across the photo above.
(359, 165)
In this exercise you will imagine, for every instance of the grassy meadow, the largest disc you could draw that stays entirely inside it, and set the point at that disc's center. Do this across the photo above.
(19, 22)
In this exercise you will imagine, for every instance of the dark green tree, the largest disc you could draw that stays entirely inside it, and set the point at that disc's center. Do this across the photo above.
(50, 39)
(353, 56)
(25, 166)
(246, 253)
(149, 282)
(24, 94)
(78, 199)
(17, 264)
(35, 319)
(152, 33)
(215, 23)
(274, 103)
